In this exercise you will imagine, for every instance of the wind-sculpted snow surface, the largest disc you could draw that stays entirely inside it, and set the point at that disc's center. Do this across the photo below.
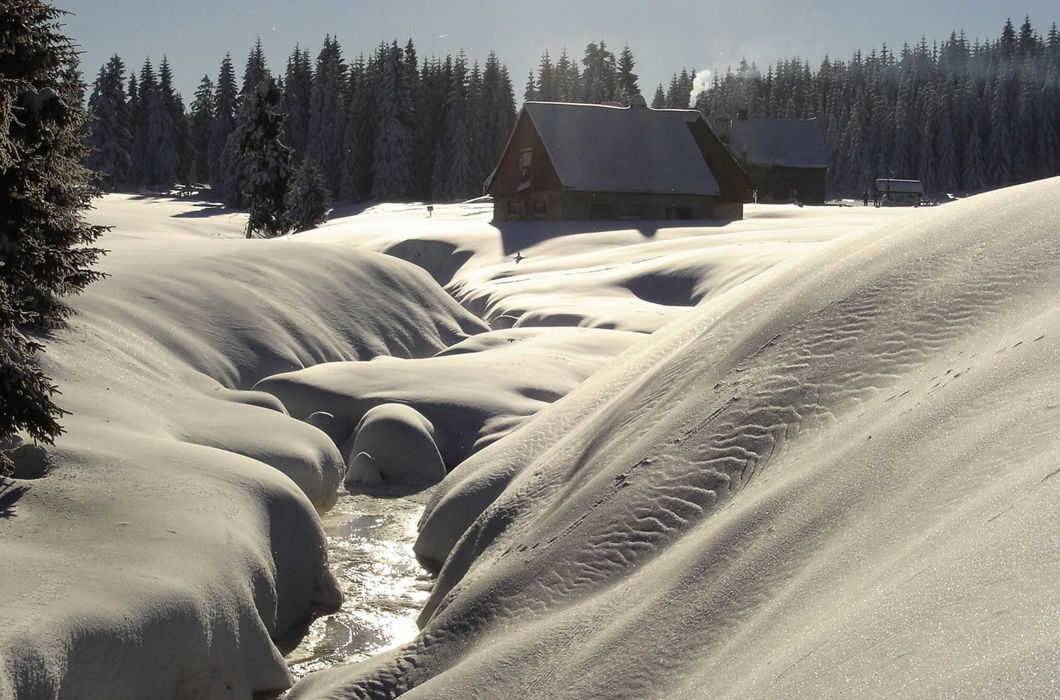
(473, 392)
(836, 479)
(633, 276)
(166, 542)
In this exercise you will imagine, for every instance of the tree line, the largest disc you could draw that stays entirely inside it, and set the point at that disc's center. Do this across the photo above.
(381, 127)
(960, 116)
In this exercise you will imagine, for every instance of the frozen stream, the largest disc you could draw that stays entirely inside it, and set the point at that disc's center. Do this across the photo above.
(370, 550)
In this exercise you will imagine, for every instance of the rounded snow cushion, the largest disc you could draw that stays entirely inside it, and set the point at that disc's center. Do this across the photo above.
(394, 442)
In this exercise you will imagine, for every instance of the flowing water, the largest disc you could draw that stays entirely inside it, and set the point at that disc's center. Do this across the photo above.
(370, 552)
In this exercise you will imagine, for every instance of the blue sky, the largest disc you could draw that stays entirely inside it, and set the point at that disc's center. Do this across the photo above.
(664, 36)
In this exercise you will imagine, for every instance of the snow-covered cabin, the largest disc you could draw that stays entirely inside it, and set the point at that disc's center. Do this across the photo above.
(786, 158)
(568, 161)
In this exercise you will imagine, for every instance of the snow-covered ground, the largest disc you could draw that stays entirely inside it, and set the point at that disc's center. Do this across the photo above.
(807, 453)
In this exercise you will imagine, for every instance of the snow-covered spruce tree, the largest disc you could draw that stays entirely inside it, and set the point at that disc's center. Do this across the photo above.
(140, 99)
(163, 147)
(200, 122)
(45, 246)
(308, 200)
(327, 110)
(297, 87)
(174, 105)
(236, 170)
(452, 178)
(496, 107)
(393, 145)
(109, 138)
(257, 145)
(627, 79)
(430, 103)
(255, 71)
(224, 120)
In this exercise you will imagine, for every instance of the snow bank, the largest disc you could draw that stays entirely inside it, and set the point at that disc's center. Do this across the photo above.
(634, 276)
(473, 393)
(170, 537)
(835, 479)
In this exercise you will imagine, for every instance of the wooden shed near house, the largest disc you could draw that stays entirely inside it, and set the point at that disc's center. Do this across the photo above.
(569, 161)
(786, 158)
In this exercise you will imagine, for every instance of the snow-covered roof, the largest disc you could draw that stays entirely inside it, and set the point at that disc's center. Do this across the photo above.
(598, 148)
(792, 143)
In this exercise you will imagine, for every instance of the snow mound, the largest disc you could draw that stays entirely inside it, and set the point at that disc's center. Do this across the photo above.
(835, 479)
(633, 276)
(394, 442)
(178, 512)
(473, 393)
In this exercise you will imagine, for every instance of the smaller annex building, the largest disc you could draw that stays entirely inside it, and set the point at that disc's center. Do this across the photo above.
(567, 161)
(786, 158)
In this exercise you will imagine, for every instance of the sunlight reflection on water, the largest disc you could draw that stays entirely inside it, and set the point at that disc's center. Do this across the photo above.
(370, 549)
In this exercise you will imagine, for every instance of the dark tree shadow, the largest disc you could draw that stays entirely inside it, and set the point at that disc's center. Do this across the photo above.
(206, 210)
(9, 495)
(520, 235)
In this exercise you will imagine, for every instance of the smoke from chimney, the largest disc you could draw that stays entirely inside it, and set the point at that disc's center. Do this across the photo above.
(699, 85)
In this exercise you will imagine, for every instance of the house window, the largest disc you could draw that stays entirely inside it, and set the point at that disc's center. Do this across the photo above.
(539, 209)
(526, 158)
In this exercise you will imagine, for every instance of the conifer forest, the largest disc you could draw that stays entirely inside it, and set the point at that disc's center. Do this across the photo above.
(961, 116)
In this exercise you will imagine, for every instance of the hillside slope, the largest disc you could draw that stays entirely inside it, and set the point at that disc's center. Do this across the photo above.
(836, 479)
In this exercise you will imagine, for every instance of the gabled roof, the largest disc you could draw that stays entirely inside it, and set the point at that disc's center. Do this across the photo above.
(793, 143)
(598, 148)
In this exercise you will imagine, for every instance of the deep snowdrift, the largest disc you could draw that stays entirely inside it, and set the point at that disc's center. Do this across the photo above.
(473, 393)
(170, 536)
(837, 478)
(635, 276)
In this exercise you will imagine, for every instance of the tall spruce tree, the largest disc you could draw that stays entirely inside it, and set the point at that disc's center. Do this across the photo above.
(109, 138)
(45, 246)
(568, 78)
(224, 120)
(327, 109)
(200, 123)
(431, 101)
(627, 79)
(298, 85)
(255, 71)
(600, 74)
(237, 166)
(268, 162)
(659, 99)
(496, 109)
(393, 145)
(453, 176)
(139, 117)
(174, 106)
(354, 175)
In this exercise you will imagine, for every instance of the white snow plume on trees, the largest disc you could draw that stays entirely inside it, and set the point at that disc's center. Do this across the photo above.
(700, 84)
(836, 479)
